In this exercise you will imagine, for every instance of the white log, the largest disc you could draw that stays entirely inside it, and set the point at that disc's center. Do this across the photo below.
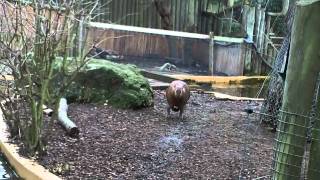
(63, 119)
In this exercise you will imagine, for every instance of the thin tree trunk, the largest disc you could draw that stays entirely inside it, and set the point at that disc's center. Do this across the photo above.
(303, 68)
(163, 8)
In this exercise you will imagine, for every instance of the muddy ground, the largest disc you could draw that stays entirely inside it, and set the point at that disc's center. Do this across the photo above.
(216, 140)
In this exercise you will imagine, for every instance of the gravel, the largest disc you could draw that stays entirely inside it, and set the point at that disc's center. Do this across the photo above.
(215, 140)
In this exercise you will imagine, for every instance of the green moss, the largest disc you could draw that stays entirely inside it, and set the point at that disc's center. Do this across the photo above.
(119, 85)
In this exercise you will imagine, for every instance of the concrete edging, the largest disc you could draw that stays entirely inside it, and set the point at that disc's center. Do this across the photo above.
(25, 168)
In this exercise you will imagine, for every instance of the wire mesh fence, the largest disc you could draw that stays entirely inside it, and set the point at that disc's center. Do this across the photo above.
(294, 130)
(288, 151)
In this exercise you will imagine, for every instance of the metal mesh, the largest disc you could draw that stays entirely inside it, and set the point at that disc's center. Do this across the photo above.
(287, 152)
(274, 93)
(285, 148)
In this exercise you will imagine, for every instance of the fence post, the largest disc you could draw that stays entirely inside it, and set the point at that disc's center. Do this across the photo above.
(303, 68)
(211, 54)
(309, 14)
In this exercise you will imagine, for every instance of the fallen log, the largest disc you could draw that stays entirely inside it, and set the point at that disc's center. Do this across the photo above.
(63, 119)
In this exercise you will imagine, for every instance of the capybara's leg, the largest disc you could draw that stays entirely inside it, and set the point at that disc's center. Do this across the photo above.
(168, 111)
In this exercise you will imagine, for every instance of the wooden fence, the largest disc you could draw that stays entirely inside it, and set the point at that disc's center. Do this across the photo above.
(154, 45)
(186, 15)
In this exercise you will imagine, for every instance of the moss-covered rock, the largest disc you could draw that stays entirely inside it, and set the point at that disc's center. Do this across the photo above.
(119, 85)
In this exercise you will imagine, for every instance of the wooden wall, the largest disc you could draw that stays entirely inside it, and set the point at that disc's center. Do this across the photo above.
(136, 44)
(186, 15)
(229, 59)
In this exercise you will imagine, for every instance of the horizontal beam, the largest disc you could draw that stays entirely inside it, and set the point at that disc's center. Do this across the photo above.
(163, 32)
(157, 76)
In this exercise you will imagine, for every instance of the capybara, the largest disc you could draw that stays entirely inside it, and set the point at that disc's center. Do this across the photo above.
(177, 94)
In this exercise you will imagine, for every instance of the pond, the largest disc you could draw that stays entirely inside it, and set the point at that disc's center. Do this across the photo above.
(252, 91)
(6, 172)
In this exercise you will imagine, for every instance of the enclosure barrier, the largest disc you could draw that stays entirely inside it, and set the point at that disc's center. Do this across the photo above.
(181, 48)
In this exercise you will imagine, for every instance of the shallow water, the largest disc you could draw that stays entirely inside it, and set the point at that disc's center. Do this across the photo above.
(6, 172)
(252, 91)
(173, 141)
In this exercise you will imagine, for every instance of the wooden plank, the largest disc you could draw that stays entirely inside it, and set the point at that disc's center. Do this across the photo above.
(189, 16)
(135, 12)
(185, 15)
(142, 14)
(155, 31)
(114, 12)
(196, 15)
(158, 85)
(107, 10)
(179, 15)
(120, 9)
(127, 12)
(150, 15)
(130, 12)
(221, 96)
(173, 16)
(157, 76)
(163, 32)
(6, 77)
(138, 13)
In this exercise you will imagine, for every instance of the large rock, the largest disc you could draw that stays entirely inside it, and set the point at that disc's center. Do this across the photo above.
(119, 85)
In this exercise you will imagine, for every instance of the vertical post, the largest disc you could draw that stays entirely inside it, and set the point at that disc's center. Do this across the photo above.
(309, 17)
(248, 20)
(267, 38)
(257, 23)
(261, 35)
(301, 78)
(230, 21)
(211, 54)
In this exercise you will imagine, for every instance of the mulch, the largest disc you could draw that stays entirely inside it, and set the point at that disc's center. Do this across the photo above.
(215, 140)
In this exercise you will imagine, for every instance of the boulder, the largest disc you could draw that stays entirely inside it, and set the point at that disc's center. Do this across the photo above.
(119, 85)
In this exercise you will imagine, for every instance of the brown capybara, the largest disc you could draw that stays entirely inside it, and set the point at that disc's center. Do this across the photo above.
(178, 94)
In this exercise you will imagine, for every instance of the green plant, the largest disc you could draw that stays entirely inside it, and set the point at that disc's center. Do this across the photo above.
(33, 35)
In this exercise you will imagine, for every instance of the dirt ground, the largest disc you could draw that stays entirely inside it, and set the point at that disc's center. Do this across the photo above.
(216, 140)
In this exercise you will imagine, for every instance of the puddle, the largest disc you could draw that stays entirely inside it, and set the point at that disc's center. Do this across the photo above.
(172, 142)
(252, 91)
